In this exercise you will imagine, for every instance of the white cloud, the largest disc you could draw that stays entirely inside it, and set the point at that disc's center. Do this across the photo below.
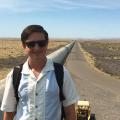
(40, 5)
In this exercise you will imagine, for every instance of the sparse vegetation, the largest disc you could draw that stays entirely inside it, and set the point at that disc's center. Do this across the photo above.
(105, 55)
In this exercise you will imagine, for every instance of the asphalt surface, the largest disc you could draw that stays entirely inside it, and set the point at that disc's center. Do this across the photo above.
(101, 90)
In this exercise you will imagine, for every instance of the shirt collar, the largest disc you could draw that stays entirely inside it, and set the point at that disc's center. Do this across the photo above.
(48, 67)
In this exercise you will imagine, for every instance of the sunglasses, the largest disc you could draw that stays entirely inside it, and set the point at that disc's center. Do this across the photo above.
(40, 43)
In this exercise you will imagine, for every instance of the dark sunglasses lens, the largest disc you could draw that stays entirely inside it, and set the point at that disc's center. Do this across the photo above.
(30, 44)
(42, 43)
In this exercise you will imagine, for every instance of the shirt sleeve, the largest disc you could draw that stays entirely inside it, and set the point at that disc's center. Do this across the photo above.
(69, 90)
(9, 101)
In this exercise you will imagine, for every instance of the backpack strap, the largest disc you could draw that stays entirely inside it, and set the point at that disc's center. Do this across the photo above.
(59, 73)
(16, 79)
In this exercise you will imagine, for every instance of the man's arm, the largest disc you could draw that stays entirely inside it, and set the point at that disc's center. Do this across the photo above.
(70, 112)
(8, 115)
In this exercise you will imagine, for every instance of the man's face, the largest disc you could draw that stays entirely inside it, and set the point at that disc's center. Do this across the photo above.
(36, 45)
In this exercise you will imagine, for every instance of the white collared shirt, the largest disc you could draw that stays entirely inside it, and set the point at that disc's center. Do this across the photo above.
(38, 98)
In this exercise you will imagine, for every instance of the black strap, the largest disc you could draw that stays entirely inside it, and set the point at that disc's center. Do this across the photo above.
(16, 79)
(59, 73)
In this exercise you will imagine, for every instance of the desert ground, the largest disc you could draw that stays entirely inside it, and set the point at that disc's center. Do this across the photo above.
(104, 55)
(12, 53)
(102, 91)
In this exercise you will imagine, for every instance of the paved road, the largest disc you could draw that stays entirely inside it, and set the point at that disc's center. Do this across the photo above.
(100, 89)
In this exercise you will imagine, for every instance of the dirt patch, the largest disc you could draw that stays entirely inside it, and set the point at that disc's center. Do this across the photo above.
(104, 55)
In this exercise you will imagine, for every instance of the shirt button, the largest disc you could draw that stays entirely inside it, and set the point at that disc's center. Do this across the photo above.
(36, 106)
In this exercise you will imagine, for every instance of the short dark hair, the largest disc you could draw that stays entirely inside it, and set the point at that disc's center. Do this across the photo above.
(31, 29)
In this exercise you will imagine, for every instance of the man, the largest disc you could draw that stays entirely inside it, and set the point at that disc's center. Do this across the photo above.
(38, 90)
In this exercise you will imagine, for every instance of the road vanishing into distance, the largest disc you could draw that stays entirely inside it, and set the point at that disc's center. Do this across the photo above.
(101, 90)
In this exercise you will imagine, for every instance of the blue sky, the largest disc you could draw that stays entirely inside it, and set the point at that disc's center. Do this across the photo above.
(62, 18)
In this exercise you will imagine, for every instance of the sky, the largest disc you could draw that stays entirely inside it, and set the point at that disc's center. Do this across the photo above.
(76, 19)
